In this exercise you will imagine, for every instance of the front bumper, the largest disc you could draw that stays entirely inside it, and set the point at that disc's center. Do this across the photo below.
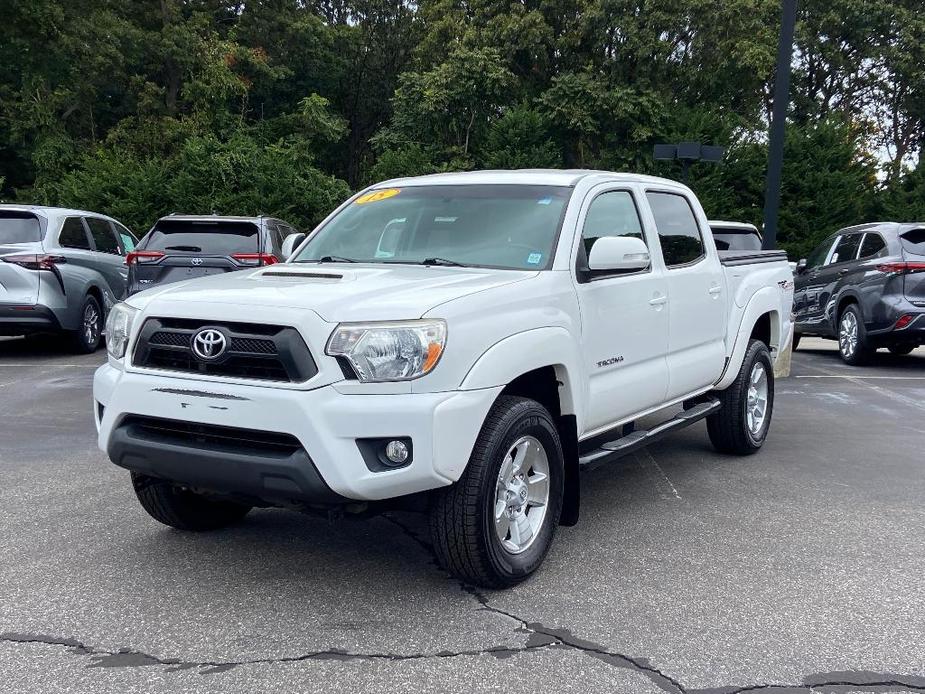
(326, 423)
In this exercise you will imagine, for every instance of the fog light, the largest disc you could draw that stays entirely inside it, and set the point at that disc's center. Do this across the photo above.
(903, 322)
(396, 451)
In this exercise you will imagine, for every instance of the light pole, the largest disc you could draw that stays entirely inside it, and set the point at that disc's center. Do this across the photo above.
(778, 120)
(688, 153)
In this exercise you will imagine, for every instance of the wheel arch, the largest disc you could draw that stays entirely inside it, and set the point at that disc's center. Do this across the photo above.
(542, 365)
(761, 319)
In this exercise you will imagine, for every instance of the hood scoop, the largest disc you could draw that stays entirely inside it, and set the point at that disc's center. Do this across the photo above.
(298, 274)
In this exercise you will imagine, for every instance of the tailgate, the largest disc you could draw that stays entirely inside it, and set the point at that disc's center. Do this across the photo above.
(913, 245)
(20, 234)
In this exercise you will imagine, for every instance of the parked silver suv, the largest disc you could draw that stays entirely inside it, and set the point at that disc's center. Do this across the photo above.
(60, 270)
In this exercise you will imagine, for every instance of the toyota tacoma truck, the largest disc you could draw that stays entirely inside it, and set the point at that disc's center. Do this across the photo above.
(463, 344)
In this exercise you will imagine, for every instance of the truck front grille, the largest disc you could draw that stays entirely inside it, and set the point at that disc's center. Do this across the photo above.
(252, 351)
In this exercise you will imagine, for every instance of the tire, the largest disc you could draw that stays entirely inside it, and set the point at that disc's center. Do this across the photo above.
(183, 509)
(465, 534)
(796, 341)
(731, 429)
(901, 350)
(854, 351)
(86, 339)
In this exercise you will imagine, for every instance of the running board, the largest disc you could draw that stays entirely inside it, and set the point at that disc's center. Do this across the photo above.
(624, 445)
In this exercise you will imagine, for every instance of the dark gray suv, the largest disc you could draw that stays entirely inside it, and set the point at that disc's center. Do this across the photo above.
(60, 270)
(865, 287)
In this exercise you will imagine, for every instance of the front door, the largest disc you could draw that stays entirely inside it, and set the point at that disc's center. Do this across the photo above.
(696, 306)
(624, 318)
(808, 304)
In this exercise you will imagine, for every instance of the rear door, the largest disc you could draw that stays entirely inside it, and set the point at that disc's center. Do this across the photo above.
(20, 234)
(177, 249)
(913, 248)
(696, 310)
(838, 273)
(108, 258)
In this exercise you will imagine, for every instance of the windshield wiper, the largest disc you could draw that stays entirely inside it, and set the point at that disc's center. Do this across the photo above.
(193, 249)
(442, 261)
(330, 259)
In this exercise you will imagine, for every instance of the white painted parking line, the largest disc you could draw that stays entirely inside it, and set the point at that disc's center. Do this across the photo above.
(859, 380)
(882, 378)
(665, 488)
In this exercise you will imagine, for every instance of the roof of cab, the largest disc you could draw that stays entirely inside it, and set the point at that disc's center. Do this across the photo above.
(540, 177)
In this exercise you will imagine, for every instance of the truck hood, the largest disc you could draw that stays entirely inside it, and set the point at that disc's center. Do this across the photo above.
(336, 292)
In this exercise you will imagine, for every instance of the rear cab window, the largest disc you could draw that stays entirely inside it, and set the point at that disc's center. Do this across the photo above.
(19, 227)
(729, 239)
(205, 237)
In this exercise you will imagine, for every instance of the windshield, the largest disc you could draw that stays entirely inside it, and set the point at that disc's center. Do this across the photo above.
(207, 237)
(736, 240)
(19, 227)
(512, 227)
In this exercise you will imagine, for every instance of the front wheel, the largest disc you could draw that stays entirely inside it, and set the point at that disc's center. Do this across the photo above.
(184, 509)
(852, 337)
(86, 339)
(494, 526)
(742, 423)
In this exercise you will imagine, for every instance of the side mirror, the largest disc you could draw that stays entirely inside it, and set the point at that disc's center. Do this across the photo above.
(620, 253)
(801, 267)
(290, 243)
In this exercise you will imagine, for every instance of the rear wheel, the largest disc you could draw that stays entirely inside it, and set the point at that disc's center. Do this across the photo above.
(901, 350)
(852, 337)
(183, 509)
(494, 526)
(86, 338)
(742, 424)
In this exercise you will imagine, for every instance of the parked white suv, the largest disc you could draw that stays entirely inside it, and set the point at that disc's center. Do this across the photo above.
(462, 343)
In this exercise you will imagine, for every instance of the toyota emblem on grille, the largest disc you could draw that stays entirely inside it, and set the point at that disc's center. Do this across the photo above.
(196, 261)
(209, 343)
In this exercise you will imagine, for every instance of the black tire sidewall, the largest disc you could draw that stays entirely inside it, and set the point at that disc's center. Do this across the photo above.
(758, 353)
(79, 338)
(861, 351)
(534, 421)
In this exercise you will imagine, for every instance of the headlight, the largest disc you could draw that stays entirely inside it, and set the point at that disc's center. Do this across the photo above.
(398, 351)
(118, 329)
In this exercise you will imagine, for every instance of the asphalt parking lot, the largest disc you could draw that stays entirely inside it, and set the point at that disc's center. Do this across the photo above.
(799, 569)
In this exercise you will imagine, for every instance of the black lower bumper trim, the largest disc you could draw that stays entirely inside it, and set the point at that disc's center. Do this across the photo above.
(193, 455)
(19, 321)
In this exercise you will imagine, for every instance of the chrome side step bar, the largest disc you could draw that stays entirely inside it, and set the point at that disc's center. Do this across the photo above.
(633, 441)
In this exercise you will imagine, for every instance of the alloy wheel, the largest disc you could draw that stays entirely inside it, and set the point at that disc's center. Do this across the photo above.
(521, 494)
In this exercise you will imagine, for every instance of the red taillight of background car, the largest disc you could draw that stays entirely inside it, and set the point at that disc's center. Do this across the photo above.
(35, 261)
(901, 268)
(903, 322)
(143, 257)
(254, 258)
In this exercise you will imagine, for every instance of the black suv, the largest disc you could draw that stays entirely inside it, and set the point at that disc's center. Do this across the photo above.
(865, 286)
(181, 247)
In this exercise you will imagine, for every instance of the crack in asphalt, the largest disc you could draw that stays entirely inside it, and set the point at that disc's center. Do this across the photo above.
(540, 637)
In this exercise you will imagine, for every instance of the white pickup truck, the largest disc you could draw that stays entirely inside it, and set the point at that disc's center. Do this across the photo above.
(459, 343)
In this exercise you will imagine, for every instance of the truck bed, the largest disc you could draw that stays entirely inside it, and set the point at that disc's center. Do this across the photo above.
(732, 258)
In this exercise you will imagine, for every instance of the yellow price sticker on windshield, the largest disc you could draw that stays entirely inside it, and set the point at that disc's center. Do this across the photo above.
(377, 195)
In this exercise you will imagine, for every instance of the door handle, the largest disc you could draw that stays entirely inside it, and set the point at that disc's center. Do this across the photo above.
(842, 272)
(658, 301)
(715, 290)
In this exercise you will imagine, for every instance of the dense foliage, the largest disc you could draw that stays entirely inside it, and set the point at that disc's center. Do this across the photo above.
(142, 107)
